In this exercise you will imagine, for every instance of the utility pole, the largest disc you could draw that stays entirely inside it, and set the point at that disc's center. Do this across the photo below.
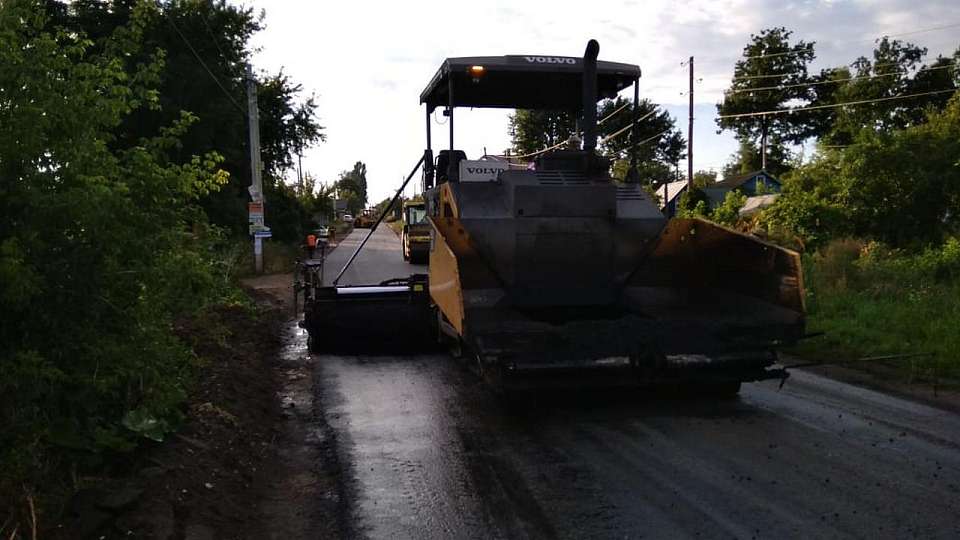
(763, 143)
(690, 135)
(255, 209)
(300, 171)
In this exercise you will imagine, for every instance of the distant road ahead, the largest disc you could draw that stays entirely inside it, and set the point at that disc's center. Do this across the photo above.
(381, 259)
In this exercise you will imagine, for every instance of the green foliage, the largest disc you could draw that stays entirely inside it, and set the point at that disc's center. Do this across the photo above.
(767, 80)
(662, 147)
(219, 34)
(728, 212)
(897, 69)
(872, 300)
(703, 179)
(102, 245)
(900, 188)
(662, 144)
(534, 130)
(352, 186)
(317, 201)
(747, 159)
(771, 74)
(696, 204)
(693, 204)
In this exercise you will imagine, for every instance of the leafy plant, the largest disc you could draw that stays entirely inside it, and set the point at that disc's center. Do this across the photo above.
(102, 246)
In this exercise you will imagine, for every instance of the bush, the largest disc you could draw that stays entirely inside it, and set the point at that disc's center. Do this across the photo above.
(871, 299)
(728, 213)
(102, 247)
(900, 188)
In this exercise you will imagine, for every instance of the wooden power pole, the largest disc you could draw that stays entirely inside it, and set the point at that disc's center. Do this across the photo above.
(258, 227)
(690, 135)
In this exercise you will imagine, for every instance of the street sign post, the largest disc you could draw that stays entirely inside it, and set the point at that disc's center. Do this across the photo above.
(255, 209)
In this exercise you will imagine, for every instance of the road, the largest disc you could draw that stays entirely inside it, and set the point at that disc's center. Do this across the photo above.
(430, 452)
(380, 259)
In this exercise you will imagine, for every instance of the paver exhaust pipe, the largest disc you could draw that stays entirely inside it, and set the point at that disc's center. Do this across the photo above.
(590, 95)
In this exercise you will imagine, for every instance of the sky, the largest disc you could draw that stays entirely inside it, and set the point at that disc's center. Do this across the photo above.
(366, 62)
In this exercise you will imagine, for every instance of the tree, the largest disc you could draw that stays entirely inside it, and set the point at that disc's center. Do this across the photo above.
(205, 46)
(702, 179)
(286, 127)
(102, 246)
(771, 75)
(352, 186)
(747, 159)
(728, 212)
(535, 130)
(895, 70)
(659, 144)
(899, 187)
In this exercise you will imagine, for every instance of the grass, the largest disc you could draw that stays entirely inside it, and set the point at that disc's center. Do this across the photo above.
(872, 301)
(278, 257)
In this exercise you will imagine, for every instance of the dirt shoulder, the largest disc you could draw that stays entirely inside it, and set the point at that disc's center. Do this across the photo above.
(251, 459)
(204, 481)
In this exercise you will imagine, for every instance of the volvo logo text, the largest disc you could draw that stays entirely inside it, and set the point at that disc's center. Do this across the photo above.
(550, 60)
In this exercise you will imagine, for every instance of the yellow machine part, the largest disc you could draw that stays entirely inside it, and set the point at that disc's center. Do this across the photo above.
(694, 253)
(449, 245)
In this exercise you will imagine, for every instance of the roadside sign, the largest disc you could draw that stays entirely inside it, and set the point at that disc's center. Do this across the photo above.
(266, 233)
(255, 217)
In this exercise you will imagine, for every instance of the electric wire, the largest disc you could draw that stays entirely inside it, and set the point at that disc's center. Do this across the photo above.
(628, 126)
(645, 141)
(216, 42)
(810, 49)
(603, 140)
(774, 75)
(833, 105)
(202, 63)
(834, 81)
(609, 116)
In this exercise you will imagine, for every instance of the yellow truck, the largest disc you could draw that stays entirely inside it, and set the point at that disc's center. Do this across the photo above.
(415, 234)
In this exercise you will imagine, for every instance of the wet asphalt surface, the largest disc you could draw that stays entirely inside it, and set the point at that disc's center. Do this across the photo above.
(428, 451)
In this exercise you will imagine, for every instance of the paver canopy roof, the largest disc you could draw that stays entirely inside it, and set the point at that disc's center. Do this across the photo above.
(522, 82)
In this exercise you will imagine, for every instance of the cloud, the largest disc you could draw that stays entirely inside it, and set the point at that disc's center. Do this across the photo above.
(368, 61)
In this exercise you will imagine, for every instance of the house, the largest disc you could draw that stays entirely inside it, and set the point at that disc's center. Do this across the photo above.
(751, 184)
(669, 195)
(757, 203)
(760, 187)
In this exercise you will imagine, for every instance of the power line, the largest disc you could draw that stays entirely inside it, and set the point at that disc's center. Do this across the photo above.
(910, 33)
(605, 139)
(628, 126)
(202, 63)
(817, 107)
(833, 81)
(774, 75)
(216, 42)
(609, 116)
(810, 49)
